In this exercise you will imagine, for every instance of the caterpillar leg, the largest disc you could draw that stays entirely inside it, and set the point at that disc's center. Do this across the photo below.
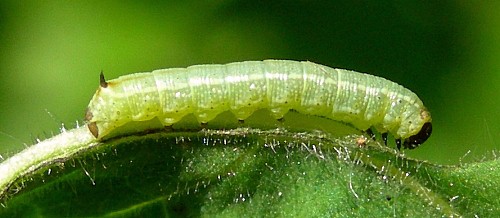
(204, 125)
(384, 137)
(169, 128)
(398, 144)
(370, 133)
(93, 129)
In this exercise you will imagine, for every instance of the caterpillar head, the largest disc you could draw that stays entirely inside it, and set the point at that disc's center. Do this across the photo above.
(422, 135)
(415, 140)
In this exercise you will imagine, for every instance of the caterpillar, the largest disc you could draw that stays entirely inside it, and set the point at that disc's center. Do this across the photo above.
(362, 100)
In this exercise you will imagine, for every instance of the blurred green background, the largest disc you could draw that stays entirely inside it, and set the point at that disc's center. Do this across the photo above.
(446, 52)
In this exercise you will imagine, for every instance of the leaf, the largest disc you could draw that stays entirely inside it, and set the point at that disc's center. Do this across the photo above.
(245, 172)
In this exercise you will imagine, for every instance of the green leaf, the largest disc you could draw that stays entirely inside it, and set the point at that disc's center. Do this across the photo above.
(240, 172)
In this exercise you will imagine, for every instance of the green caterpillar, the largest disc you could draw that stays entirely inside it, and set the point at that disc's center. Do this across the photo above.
(362, 100)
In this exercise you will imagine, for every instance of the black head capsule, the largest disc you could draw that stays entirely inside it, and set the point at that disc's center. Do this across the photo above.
(415, 140)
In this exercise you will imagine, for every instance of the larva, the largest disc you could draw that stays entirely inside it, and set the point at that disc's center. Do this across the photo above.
(362, 100)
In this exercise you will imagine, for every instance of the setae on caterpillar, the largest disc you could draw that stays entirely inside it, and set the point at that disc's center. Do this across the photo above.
(362, 100)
